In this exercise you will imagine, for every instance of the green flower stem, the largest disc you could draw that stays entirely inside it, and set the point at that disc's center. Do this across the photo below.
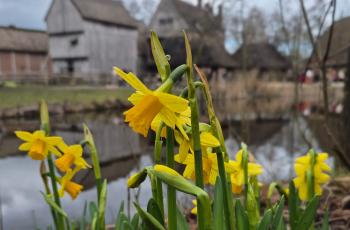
(228, 215)
(245, 171)
(172, 220)
(157, 158)
(60, 219)
(45, 126)
(174, 76)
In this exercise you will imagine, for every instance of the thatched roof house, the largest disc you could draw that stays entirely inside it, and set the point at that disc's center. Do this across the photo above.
(340, 43)
(23, 54)
(261, 56)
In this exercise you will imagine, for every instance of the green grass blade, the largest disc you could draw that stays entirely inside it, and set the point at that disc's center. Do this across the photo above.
(293, 206)
(278, 213)
(181, 220)
(325, 222)
(150, 221)
(265, 221)
(309, 214)
(154, 210)
(118, 221)
(218, 205)
(135, 221)
(242, 221)
(102, 204)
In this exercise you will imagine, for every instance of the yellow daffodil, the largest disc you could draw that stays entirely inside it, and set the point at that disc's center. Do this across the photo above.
(148, 104)
(236, 169)
(38, 145)
(72, 188)
(304, 164)
(210, 167)
(182, 119)
(71, 155)
(194, 209)
(185, 146)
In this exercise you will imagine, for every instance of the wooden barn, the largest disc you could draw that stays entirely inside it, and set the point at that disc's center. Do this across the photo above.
(204, 30)
(88, 37)
(264, 60)
(23, 55)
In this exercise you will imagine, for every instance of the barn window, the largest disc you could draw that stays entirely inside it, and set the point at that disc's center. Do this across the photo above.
(74, 42)
(166, 21)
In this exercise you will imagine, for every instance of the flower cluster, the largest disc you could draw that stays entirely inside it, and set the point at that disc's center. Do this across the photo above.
(69, 158)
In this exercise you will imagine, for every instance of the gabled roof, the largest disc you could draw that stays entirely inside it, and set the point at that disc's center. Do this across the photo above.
(261, 56)
(106, 11)
(23, 40)
(340, 44)
(197, 18)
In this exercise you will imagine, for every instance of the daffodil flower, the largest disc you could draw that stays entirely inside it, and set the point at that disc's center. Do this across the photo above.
(182, 119)
(302, 165)
(185, 146)
(210, 167)
(71, 155)
(194, 209)
(148, 104)
(72, 188)
(236, 169)
(38, 145)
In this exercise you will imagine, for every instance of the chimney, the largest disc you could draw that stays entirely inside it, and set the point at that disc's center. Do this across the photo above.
(199, 4)
(220, 13)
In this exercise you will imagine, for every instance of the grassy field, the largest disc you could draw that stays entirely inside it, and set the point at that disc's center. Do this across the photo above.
(31, 95)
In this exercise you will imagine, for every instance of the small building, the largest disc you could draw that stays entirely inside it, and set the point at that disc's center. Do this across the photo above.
(88, 37)
(264, 59)
(24, 55)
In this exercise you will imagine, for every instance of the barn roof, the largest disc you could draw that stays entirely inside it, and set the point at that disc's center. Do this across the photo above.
(262, 56)
(23, 40)
(340, 43)
(198, 19)
(206, 52)
(105, 11)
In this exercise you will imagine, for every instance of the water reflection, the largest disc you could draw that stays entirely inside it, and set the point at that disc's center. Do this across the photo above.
(272, 132)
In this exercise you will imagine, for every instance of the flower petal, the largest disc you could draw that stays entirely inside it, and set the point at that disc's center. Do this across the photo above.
(25, 146)
(132, 80)
(172, 102)
(23, 135)
(168, 117)
(136, 97)
(208, 140)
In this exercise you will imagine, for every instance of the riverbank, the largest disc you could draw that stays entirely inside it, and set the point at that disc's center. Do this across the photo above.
(22, 101)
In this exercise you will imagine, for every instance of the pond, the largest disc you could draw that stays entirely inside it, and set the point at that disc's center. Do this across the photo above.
(273, 131)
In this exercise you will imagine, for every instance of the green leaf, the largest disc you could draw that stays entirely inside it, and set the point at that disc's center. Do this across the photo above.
(181, 220)
(265, 221)
(126, 225)
(83, 218)
(52, 204)
(154, 210)
(135, 221)
(325, 222)
(252, 208)
(218, 205)
(309, 214)
(293, 206)
(150, 221)
(93, 215)
(159, 56)
(278, 213)
(241, 217)
(118, 221)
(102, 204)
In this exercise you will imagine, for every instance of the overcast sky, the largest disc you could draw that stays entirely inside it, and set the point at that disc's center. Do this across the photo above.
(31, 13)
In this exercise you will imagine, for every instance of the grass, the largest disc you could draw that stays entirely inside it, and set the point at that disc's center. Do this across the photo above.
(31, 95)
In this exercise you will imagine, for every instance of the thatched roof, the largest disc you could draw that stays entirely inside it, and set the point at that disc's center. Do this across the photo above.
(23, 40)
(261, 56)
(105, 11)
(198, 19)
(206, 52)
(340, 43)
